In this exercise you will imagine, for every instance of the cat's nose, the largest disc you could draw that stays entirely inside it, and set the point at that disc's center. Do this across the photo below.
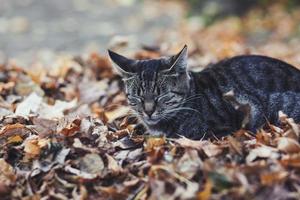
(149, 108)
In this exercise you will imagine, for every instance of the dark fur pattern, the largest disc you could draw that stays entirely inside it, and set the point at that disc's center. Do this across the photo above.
(173, 101)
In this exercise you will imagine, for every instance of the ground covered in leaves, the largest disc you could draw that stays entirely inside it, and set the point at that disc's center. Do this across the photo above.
(66, 131)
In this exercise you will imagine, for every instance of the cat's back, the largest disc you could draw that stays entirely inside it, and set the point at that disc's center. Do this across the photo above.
(254, 72)
(258, 63)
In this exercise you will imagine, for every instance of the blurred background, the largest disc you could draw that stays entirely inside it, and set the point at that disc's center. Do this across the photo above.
(33, 30)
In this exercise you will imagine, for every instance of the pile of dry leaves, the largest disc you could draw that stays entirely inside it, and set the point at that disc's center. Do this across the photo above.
(66, 132)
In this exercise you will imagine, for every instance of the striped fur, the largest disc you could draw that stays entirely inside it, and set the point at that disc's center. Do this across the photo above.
(181, 102)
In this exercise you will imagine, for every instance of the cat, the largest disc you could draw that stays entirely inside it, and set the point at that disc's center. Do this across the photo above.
(245, 91)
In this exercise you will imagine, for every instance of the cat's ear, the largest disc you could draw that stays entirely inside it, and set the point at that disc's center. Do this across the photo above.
(179, 61)
(124, 66)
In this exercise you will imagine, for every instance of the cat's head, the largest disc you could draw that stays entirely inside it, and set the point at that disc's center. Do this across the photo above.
(155, 88)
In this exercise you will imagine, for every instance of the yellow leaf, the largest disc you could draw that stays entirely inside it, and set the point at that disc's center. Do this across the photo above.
(31, 147)
(206, 193)
(7, 174)
(153, 142)
(43, 142)
(273, 177)
(14, 139)
(119, 112)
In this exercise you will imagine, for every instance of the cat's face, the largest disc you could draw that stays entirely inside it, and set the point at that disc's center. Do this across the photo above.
(155, 88)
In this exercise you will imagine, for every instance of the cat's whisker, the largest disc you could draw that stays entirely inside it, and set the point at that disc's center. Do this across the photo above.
(183, 108)
(196, 95)
(165, 118)
(192, 98)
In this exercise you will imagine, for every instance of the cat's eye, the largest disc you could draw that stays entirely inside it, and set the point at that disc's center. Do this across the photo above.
(169, 103)
(134, 100)
(132, 104)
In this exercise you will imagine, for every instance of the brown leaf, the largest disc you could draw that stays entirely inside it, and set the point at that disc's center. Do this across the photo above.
(272, 178)
(153, 142)
(235, 145)
(33, 146)
(44, 127)
(82, 195)
(113, 165)
(71, 127)
(14, 139)
(63, 65)
(263, 137)
(291, 160)
(208, 148)
(13, 129)
(211, 149)
(7, 174)
(295, 130)
(121, 111)
(92, 91)
(80, 173)
(288, 145)
(206, 192)
(188, 143)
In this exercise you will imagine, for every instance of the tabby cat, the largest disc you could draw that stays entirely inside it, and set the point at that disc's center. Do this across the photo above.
(241, 92)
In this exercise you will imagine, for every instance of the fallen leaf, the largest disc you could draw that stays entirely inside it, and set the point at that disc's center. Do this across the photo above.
(235, 145)
(113, 165)
(212, 150)
(5, 112)
(189, 164)
(121, 111)
(82, 194)
(92, 91)
(262, 152)
(91, 163)
(31, 104)
(288, 145)
(13, 129)
(63, 65)
(207, 147)
(44, 127)
(61, 156)
(272, 178)
(32, 148)
(7, 174)
(188, 143)
(206, 192)
(14, 139)
(291, 160)
(80, 173)
(55, 111)
(71, 128)
(153, 142)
